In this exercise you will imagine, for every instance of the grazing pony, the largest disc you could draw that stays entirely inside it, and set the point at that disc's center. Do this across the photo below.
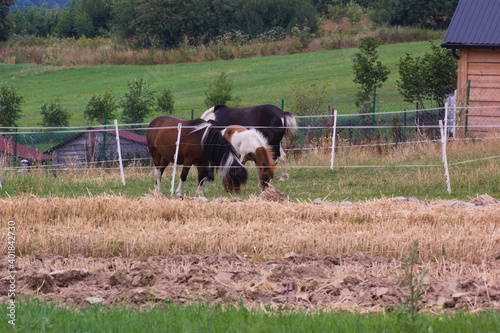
(251, 145)
(200, 144)
(270, 120)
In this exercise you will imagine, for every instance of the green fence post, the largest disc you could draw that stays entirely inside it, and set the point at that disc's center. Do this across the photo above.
(467, 108)
(374, 105)
(283, 104)
(103, 149)
(15, 146)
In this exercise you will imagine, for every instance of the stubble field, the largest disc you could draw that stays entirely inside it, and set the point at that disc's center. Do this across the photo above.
(330, 255)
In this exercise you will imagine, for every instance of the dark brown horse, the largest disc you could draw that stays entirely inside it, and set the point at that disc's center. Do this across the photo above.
(201, 145)
(251, 145)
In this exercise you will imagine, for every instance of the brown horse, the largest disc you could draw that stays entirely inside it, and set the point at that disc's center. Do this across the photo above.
(251, 145)
(200, 144)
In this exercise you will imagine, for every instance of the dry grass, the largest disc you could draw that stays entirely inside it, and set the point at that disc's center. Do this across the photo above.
(108, 226)
(99, 51)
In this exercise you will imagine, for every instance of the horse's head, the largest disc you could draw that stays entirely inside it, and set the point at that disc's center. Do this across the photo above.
(265, 166)
(235, 179)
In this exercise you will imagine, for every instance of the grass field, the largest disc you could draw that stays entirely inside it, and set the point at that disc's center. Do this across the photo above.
(361, 172)
(255, 80)
(38, 317)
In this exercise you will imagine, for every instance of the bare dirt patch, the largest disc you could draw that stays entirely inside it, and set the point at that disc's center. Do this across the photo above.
(351, 282)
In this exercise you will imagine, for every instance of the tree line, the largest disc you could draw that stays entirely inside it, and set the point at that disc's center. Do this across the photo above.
(168, 23)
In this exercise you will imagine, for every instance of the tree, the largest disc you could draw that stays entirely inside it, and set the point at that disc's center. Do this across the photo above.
(369, 73)
(434, 14)
(219, 91)
(101, 107)
(5, 23)
(10, 106)
(54, 115)
(308, 100)
(138, 102)
(428, 79)
(165, 102)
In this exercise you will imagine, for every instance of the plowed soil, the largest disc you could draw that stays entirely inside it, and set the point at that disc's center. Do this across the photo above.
(351, 282)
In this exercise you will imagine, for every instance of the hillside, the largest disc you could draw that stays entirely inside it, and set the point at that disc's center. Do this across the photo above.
(256, 80)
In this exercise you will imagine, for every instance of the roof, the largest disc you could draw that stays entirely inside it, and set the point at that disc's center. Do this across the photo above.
(7, 147)
(122, 133)
(475, 24)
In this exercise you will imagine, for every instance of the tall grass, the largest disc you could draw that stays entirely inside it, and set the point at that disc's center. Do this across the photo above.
(34, 316)
(106, 51)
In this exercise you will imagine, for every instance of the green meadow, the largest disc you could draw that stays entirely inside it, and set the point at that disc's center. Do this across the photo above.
(261, 80)
(34, 316)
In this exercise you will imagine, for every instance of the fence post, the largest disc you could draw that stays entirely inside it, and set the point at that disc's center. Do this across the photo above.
(467, 108)
(334, 135)
(374, 107)
(283, 104)
(104, 134)
(444, 133)
(15, 146)
(119, 150)
(174, 169)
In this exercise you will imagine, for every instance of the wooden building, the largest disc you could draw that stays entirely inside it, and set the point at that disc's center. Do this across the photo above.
(86, 148)
(474, 38)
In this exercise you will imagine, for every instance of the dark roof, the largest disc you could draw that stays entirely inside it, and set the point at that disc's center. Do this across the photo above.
(7, 147)
(123, 134)
(475, 24)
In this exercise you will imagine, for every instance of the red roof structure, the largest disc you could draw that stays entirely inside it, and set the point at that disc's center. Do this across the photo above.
(8, 147)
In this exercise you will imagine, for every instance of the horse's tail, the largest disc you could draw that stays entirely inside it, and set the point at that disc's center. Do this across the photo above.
(221, 153)
(290, 125)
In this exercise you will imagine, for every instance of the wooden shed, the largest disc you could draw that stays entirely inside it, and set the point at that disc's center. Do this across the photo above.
(86, 148)
(474, 38)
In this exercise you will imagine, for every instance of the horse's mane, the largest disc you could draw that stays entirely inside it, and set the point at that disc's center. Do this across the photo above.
(222, 153)
(260, 137)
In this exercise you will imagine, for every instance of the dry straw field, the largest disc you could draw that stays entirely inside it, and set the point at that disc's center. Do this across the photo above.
(107, 226)
(329, 255)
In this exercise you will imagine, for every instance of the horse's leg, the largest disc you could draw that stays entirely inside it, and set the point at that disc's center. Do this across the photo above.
(282, 159)
(158, 174)
(184, 174)
(160, 165)
(203, 174)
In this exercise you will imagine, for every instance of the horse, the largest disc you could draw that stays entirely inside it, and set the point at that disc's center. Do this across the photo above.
(251, 145)
(200, 144)
(271, 121)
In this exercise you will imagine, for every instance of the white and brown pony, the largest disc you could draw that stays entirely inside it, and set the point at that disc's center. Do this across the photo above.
(251, 145)
(274, 123)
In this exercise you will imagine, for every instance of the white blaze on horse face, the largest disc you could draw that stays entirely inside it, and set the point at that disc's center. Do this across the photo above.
(209, 114)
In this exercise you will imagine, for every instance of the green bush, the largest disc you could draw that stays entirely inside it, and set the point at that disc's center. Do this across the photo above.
(101, 107)
(54, 115)
(10, 106)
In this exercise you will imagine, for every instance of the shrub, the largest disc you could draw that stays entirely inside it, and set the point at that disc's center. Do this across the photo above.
(219, 91)
(101, 108)
(54, 115)
(10, 106)
(138, 102)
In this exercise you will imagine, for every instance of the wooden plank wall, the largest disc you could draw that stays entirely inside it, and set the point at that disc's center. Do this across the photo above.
(482, 68)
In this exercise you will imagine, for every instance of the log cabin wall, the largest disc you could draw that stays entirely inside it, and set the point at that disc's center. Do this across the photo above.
(482, 68)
